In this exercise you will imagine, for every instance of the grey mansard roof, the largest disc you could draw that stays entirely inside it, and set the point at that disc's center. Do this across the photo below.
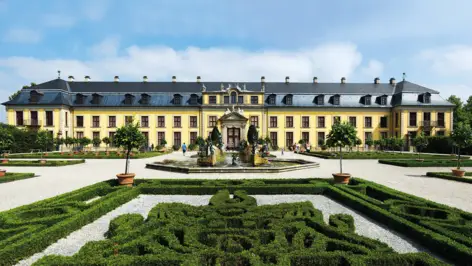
(112, 94)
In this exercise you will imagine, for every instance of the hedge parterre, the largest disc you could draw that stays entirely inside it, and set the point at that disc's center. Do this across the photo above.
(235, 231)
(10, 177)
(87, 155)
(427, 163)
(376, 155)
(449, 176)
(38, 163)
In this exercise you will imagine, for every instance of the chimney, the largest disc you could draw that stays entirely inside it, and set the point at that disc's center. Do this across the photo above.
(199, 79)
(315, 80)
(117, 79)
(174, 79)
(262, 79)
(145, 79)
(287, 79)
(343, 80)
(71, 78)
(392, 81)
(376, 81)
(87, 78)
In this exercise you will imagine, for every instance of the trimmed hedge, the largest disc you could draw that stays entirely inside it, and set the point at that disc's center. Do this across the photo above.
(87, 155)
(9, 177)
(13, 163)
(376, 155)
(449, 176)
(427, 163)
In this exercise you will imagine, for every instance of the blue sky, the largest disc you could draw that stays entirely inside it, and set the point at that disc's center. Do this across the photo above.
(237, 40)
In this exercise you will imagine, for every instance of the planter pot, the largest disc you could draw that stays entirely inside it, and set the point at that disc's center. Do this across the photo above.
(341, 178)
(42, 161)
(45, 154)
(126, 179)
(2, 172)
(4, 160)
(458, 172)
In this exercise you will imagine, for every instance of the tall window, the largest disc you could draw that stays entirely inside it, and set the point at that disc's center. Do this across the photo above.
(353, 121)
(412, 122)
(177, 138)
(305, 121)
(67, 119)
(160, 137)
(306, 136)
(368, 122)
(112, 121)
(273, 121)
(440, 133)
(254, 121)
(397, 119)
(95, 121)
(383, 135)
(288, 139)
(321, 121)
(19, 118)
(80, 134)
(193, 137)
(240, 99)
(321, 138)
(426, 118)
(144, 121)
(34, 118)
(212, 121)
(177, 122)
(128, 119)
(193, 121)
(254, 100)
(49, 118)
(146, 137)
(273, 138)
(233, 97)
(161, 121)
(111, 135)
(383, 122)
(212, 99)
(441, 120)
(367, 135)
(289, 121)
(95, 135)
(336, 120)
(80, 121)
(226, 99)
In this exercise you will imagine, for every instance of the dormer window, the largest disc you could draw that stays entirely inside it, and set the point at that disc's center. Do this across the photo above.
(79, 98)
(367, 100)
(272, 99)
(289, 99)
(336, 99)
(128, 99)
(382, 100)
(145, 98)
(427, 98)
(233, 97)
(96, 98)
(193, 99)
(320, 100)
(34, 96)
(177, 99)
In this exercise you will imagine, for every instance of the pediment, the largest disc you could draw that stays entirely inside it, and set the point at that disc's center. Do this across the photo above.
(233, 116)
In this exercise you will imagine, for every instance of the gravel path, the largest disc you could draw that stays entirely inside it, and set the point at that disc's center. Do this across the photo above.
(144, 203)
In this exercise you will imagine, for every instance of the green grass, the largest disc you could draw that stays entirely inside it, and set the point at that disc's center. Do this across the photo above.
(449, 176)
(235, 231)
(9, 177)
(12, 163)
(427, 163)
(86, 155)
(375, 155)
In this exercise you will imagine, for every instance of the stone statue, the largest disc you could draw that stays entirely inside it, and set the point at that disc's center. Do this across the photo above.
(227, 111)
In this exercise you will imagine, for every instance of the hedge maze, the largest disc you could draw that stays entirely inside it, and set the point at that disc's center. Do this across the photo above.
(234, 230)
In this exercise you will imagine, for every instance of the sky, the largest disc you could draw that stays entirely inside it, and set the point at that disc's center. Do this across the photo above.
(430, 41)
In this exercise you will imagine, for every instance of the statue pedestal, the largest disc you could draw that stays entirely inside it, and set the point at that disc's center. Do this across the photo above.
(258, 160)
(207, 160)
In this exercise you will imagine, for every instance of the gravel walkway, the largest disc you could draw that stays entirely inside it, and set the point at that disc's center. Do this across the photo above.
(144, 203)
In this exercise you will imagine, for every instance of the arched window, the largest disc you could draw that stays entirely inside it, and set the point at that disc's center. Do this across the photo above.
(233, 97)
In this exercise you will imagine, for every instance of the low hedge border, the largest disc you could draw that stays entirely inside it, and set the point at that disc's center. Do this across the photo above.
(87, 155)
(426, 163)
(15, 163)
(9, 177)
(449, 176)
(376, 155)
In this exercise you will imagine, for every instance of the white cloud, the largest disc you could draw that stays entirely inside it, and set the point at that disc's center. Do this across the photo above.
(22, 35)
(373, 69)
(107, 48)
(451, 60)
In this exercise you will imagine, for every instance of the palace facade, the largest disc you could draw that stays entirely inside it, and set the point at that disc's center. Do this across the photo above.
(178, 112)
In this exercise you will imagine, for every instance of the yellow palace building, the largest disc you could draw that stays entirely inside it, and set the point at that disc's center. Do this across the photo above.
(178, 112)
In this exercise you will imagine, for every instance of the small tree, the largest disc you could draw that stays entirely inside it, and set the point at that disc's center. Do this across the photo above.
(58, 142)
(420, 143)
(43, 140)
(216, 137)
(461, 138)
(84, 142)
(341, 135)
(68, 141)
(200, 141)
(107, 142)
(6, 140)
(252, 137)
(369, 142)
(96, 142)
(358, 143)
(163, 142)
(129, 137)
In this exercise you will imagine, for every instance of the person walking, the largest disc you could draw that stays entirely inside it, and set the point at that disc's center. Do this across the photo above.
(184, 148)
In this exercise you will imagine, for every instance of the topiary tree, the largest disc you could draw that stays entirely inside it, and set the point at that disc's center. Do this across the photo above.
(200, 141)
(461, 138)
(96, 142)
(216, 137)
(420, 143)
(6, 140)
(129, 137)
(84, 142)
(341, 135)
(43, 141)
(58, 142)
(252, 137)
(107, 142)
(369, 142)
(68, 141)
(358, 143)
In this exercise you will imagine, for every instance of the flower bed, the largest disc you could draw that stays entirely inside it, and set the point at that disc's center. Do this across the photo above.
(39, 164)
(376, 155)
(9, 177)
(427, 163)
(87, 155)
(449, 176)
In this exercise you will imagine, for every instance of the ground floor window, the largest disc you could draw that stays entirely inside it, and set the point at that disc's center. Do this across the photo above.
(383, 135)
(321, 138)
(146, 136)
(367, 136)
(288, 139)
(273, 138)
(306, 136)
(96, 135)
(80, 134)
(427, 133)
(177, 138)
(160, 137)
(193, 137)
(440, 133)
(111, 136)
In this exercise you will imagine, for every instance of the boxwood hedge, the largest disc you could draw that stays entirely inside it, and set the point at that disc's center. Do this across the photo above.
(375, 155)
(12, 163)
(449, 176)
(9, 177)
(427, 163)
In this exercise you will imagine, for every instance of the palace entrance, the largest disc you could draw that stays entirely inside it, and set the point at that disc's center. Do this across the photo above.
(233, 127)
(232, 143)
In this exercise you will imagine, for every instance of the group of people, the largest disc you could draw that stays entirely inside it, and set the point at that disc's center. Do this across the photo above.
(297, 147)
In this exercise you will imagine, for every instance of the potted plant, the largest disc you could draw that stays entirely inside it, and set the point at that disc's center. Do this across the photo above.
(358, 143)
(420, 143)
(84, 142)
(163, 144)
(128, 137)
(58, 143)
(107, 142)
(96, 143)
(341, 135)
(43, 141)
(369, 142)
(3, 172)
(6, 140)
(462, 138)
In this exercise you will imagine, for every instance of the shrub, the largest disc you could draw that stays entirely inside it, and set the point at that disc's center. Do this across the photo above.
(192, 146)
(176, 147)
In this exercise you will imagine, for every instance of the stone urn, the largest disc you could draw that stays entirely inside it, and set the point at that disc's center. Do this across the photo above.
(458, 172)
(2, 172)
(342, 178)
(42, 161)
(126, 179)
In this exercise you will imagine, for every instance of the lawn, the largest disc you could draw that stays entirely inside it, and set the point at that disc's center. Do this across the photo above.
(9, 177)
(87, 155)
(235, 231)
(448, 175)
(427, 163)
(375, 155)
(39, 164)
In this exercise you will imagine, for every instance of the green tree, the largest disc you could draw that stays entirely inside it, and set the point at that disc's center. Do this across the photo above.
(69, 141)
(252, 135)
(460, 113)
(129, 137)
(369, 142)
(58, 142)
(420, 142)
(358, 143)
(200, 141)
(461, 138)
(84, 142)
(44, 140)
(341, 135)
(96, 142)
(13, 96)
(6, 140)
(216, 137)
(107, 142)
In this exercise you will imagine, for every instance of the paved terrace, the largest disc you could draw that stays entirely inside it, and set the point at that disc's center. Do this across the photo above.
(52, 181)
